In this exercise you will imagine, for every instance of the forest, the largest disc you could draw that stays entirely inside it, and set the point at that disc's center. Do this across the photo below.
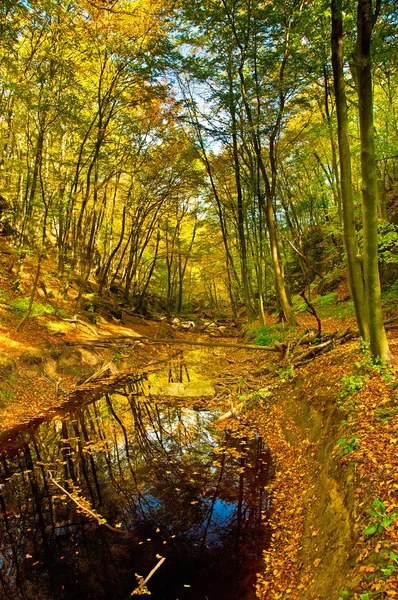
(212, 174)
(213, 155)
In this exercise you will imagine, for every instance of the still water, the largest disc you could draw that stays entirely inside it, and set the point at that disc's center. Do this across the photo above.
(169, 481)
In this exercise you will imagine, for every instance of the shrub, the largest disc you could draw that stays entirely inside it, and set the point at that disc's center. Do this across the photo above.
(326, 306)
(352, 384)
(388, 243)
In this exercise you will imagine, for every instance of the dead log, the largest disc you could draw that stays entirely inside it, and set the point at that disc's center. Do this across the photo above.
(77, 321)
(109, 342)
(235, 410)
(312, 352)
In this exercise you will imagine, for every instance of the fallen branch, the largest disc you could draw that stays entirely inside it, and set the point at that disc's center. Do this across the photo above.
(311, 310)
(266, 370)
(143, 338)
(231, 413)
(103, 369)
(312, 351)
(79, 322)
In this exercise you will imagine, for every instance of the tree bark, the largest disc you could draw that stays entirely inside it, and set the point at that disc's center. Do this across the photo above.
(354, 266)
(377, 334)
(241, 211)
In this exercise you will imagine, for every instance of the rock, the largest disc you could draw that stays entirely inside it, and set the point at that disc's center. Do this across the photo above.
(187, 325)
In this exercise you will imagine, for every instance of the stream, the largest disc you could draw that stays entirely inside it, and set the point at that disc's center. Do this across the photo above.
(149, 458)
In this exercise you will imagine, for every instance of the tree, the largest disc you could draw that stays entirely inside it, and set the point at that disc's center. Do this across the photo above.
(363, 275)
(354, 265)
(377, 335)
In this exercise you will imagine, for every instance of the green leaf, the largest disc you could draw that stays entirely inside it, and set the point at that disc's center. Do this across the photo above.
(370, 529)
(380, 506)
(394, 557)
(386, 521)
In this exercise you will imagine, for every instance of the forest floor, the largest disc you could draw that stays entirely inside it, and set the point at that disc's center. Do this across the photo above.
(331, 426)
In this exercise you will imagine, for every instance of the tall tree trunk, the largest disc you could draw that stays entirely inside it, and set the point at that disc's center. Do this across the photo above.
(229, 263)
(148, 279)
(354, 267)
(182, 266)
(241, 216)
(104, 275)
(377, 334)
(270, 217)
(336, 179)
(269, 209)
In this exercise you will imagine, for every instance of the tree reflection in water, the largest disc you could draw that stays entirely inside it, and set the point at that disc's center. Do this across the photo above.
(176, 485)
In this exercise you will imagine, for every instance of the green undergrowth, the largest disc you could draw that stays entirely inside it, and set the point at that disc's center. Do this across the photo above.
(379, 518)
(362, 371)
(382, 565)
(390, 297)
(266, 335)
(4, 297)
(326, 306)
(20, 307)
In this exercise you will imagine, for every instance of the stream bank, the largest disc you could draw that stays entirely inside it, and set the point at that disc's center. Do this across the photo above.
(312, 515)
(323, 490)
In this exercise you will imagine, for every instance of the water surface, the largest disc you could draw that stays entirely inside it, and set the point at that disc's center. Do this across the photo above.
(169, 480)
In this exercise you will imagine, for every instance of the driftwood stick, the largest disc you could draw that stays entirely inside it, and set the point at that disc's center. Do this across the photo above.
(98, 373)
(142, 585)
(155, 568)
(235, 410)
